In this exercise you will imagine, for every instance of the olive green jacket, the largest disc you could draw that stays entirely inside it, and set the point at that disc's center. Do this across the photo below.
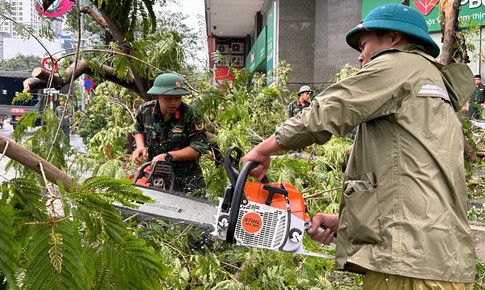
(403, 207)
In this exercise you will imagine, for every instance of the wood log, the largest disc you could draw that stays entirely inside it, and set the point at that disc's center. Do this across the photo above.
(45, 75)
(33, 161)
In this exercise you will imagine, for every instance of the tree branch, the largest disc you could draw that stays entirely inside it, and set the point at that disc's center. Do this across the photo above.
(34, 162)
(40, 77)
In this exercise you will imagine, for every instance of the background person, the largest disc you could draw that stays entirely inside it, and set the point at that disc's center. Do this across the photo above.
(402, 218)
(167, 129)
(295, 107)
(63, 117)
(477, 100)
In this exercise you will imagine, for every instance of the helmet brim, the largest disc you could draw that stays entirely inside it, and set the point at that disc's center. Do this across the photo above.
(174, 91)
(411, 29)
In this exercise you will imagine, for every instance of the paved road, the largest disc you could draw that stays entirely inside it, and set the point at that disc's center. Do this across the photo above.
(7, 131)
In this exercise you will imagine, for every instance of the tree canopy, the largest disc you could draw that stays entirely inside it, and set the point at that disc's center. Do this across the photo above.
(134, 50)
(21, 63)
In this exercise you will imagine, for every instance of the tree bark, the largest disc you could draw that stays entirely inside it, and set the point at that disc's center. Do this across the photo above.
(450, 52)
(34, 161)
(449, 10)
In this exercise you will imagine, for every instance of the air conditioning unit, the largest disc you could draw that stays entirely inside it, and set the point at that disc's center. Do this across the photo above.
(224, 61)
(237, 47)
(223, 48)
(237, 61)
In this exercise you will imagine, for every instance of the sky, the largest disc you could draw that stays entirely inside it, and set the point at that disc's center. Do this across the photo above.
(192, 8)
(195, 10)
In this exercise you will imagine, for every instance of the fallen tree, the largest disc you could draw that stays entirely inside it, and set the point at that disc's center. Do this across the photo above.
(134, 41)
(42, 78)
(33, 161)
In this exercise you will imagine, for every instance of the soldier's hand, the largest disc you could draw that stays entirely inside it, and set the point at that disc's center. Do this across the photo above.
(139, 151)
(159, 157)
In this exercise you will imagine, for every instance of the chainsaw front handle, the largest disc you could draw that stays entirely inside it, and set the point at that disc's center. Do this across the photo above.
(238, 198)
(139, 174)
(231, 164)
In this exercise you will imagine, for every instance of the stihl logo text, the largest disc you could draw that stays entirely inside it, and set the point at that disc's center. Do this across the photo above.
(252, 222)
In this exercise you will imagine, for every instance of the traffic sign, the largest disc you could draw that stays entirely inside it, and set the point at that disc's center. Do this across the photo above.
(49, 64)
(88, 84)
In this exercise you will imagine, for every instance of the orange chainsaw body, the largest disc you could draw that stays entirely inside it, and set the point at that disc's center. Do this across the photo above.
(254, 192)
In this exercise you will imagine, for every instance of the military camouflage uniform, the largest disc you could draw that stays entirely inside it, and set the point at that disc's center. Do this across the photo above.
(476, 100)
(295, 107)
(182, 129)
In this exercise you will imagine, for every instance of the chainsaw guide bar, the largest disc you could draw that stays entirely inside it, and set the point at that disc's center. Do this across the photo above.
(263, 215)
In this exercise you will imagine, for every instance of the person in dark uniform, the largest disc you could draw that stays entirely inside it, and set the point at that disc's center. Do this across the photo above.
(63, 116)
(477, 100)
(167, 129)
(295, 107)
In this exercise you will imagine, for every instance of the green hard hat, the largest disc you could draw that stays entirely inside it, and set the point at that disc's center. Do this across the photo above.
(395, 17)
(168, 84)
(305, 89)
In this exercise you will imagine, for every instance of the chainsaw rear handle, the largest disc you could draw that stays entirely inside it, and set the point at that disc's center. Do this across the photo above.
(160, 168)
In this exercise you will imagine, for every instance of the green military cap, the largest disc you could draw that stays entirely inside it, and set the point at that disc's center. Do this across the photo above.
(168, 84)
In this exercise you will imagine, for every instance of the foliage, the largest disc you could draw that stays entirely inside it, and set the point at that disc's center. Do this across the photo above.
(108, 119)
(468, 37)
(22, 98)
(136, 48)
(226, 266)
(480, 282)
(192, 42)
(73, 240)
(20, 63)
(346, 72)
(45, 141)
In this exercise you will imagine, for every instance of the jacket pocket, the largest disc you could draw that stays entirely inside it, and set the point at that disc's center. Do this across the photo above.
(360, 197)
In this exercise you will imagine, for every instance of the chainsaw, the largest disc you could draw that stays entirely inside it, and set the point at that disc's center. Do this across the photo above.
(264, 215)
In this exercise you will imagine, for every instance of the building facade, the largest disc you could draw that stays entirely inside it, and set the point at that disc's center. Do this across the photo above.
(309, 35)
(24, 12)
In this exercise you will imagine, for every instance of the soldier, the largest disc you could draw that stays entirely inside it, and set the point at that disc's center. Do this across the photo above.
(402, 218)
(477, 99)
(166, 129)
(295, 107)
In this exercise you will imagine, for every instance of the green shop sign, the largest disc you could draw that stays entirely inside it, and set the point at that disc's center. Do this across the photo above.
(470, 11)
(256, 58)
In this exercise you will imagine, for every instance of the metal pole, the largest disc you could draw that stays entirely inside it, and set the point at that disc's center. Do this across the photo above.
(83, 105)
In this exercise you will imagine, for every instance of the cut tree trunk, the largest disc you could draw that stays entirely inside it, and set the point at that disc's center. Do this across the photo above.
(34, 162)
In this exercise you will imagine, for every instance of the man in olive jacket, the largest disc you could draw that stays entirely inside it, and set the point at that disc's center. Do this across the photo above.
(402, 217)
